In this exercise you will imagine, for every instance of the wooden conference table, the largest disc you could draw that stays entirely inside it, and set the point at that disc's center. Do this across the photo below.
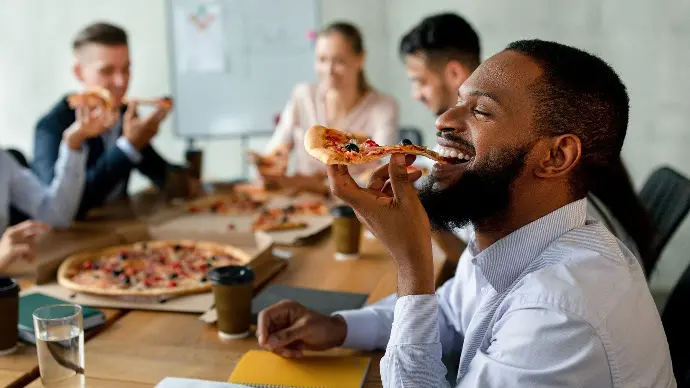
(140, 348)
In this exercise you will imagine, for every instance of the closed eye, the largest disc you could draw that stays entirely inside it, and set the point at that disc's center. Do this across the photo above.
(480, 113)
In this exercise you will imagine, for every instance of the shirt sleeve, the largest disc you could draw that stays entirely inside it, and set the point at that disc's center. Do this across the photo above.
(125, 146)
(413, 356)
(284, 132)
(370, 327)
(57, 204)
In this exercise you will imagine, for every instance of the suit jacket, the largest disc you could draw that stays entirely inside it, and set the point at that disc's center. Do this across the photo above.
(106, 167)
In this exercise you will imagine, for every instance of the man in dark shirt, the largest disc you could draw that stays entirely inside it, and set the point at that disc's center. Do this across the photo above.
(102, 61)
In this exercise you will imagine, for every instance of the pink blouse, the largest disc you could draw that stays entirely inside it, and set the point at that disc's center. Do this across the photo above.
(376, 115)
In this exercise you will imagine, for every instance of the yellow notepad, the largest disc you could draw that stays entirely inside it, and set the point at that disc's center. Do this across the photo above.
(265, 369)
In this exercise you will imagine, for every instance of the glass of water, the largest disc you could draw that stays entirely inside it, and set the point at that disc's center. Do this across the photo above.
(60, 342)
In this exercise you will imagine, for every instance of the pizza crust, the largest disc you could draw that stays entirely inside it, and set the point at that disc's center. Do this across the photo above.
(72, 265)
(318, 146)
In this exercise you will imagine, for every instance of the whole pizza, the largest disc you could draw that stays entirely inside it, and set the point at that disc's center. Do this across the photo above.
(152, 268)
(332, 146)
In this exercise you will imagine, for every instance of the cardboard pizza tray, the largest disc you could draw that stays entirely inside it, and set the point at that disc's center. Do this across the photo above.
(222, 223)
(257, 245)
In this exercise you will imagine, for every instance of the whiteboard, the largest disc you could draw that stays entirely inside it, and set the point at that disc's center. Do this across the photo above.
(234, 63)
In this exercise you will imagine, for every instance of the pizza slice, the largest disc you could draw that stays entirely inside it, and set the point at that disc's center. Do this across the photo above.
(93, 98)
(332, 146)
(163, 102)
(274, 220)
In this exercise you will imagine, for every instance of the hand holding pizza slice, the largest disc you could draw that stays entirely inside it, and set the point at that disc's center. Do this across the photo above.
(332, 146)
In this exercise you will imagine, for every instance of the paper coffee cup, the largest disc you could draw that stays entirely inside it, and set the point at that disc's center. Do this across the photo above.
(9, 311)
(347, 232)
(232, 291)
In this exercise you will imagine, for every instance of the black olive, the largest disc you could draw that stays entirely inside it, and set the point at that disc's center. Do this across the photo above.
(290, 209)
(213, 258)
(352, 147)
(405, 142)
(123, 256)
(125, 280)
(284, 219)
(177, 247)
(117, 272)
(95, 266)
(173, 276)
(203, 279)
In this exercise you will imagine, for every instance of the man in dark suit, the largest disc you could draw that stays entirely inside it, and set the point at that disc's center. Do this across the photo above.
(102, 60)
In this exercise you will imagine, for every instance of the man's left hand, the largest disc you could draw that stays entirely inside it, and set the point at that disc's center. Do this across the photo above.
(390, 208)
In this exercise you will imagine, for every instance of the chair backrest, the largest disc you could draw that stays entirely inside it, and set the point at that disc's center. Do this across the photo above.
(676, 321)
(412, 134)
(666, 196)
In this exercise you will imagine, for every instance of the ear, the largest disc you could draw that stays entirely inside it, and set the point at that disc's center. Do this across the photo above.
(562, 156)
(76, 70)
(456, 74)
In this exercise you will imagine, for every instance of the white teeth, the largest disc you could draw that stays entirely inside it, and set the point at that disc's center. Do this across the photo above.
(447, 152)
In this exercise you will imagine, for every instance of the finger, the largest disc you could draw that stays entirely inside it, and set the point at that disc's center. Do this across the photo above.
(22, 250)
(378, 179)
(29, 226)
(131, 112)
(273, 318)
(80, 113)
(288, 336)
(400, 183)
(344, 186)
(413, 177)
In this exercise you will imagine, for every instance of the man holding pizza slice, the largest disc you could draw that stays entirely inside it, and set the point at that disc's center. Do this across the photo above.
(544, 295)
(102, 65)
(440, 53)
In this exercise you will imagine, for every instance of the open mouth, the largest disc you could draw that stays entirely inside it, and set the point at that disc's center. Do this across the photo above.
(454, 154)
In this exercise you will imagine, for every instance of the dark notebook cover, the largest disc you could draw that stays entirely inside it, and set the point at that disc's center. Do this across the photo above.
(29, 303)
(325, 302)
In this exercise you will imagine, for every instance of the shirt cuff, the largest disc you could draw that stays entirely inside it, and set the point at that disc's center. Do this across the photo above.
(125, 146)
(415, 321)
(70, 160)
(361, 328)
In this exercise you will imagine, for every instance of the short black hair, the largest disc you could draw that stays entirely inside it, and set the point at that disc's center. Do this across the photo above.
(445, 36)
(581, 94)
(100, 33)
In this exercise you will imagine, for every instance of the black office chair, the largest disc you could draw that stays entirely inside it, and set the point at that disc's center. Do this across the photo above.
(676, 321)
(666, 196)
(16, 215)
(412, 134)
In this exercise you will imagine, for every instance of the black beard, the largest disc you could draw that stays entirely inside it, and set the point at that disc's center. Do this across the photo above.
(480, 195)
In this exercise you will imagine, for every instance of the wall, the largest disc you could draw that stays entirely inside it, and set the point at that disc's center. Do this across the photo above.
(647, 42)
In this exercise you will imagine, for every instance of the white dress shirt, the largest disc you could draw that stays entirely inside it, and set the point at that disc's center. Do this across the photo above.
(55, 205)
(558, 303)
(113, 138)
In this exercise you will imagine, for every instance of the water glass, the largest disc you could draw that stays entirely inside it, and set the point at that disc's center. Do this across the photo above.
(60, 342)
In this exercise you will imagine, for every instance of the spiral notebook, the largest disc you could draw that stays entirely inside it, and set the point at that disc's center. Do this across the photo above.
(267, 370)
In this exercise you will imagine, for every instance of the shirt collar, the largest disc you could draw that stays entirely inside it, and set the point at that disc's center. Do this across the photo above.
(504, 261)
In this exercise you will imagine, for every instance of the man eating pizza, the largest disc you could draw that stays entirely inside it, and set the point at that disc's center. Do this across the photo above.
(543, 296)
(440, 53)
(102, 64)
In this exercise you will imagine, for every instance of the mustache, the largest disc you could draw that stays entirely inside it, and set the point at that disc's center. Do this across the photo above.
(456, 138)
